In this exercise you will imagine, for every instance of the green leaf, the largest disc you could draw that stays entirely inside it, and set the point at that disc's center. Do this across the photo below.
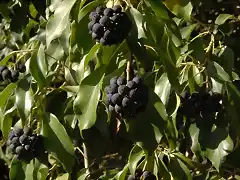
(6, 123)
(86, 102)
(171, 69)
(82, 174)
(36, 68)
(41, 170)
(217, 71)
(187, 31)
(24, 99)
(149, 131)
(184, 11)
(162, 88)
(222, 18)
(59, 21)
(159, 8)
(135, 156)
(227, 59)
(138, 17)
(122, 174)
(57, 141)
(225, 146)
(29, 171)
(194, 133)
(64, 176)
(5, 94)
(179, 170)
(17, 170)
(84, 62)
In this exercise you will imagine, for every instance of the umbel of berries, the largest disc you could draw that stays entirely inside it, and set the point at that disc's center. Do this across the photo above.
(25, 144)
(11, 75)
(109, 25)
(199, 104)
(126, 98)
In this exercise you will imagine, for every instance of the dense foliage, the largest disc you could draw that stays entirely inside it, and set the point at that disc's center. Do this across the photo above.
(119, 89)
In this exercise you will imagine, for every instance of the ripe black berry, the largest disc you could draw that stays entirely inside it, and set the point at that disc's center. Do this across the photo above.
(137, 80)
(90, 25)
(94, 16)
(19, 149)
(103, 41)
(23, 139)
(100, 10)
(131, 84)
(108, 12)
(148, 176)
(125, 101)
(116, 18)
(118, 109)
(97, 28)
(108, 98)
(122, 90)
(12, 148)
(116, 98)
(27, 147)
(11, 135)
(14, 75)
(111, 108)
(21, 68)
(6, 74)
(117, 8)
(113, 80)
(121, 80)
(104, 21)
(111, 89)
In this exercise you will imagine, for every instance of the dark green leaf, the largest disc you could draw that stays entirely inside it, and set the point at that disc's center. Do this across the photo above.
(57, 141)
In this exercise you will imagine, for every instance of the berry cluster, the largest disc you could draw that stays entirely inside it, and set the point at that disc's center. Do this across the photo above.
(146, 175)
(25, 144)
(109, 25)
(199, 104)
(208, 11)
(126, 98)
(11, 75)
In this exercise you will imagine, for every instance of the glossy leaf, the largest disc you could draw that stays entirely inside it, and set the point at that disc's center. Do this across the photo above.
(86, 102)
(24, 99)
(59, 21)
(17, 170)
(57, 141)
(135, 156)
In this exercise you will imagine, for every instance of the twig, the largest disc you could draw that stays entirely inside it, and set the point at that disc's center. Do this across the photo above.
(128, 69)
(86, 163)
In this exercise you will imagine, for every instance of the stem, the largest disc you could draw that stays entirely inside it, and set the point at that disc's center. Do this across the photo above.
(128, 69)
(86, 163)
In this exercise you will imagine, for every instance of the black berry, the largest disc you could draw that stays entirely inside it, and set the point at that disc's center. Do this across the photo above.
(116, 98)
(121, 80)
(21, 68)
(108, 12)
(99, 10)
(14, 75)
(148, 176)
(117, 8)
(6, 74)
(113, 80)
